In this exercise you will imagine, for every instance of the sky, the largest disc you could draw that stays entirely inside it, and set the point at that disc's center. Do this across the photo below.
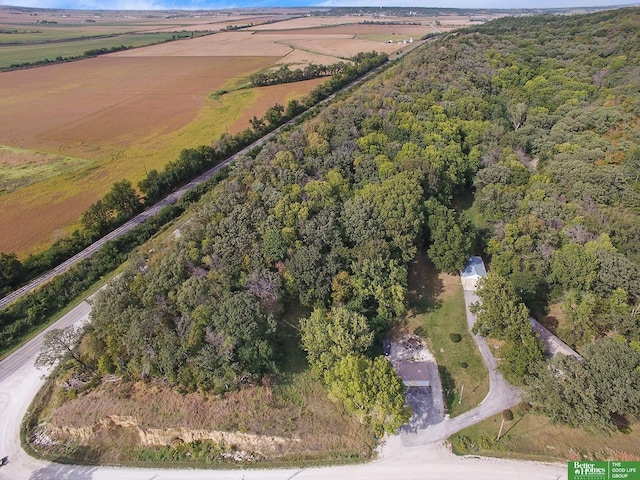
(219, 4)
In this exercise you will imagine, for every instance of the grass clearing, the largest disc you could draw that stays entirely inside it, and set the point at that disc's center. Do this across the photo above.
(20, 167)
(533, 437)
(437, 311)
(555, 319)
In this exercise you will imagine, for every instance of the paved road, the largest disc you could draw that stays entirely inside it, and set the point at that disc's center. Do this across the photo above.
(408, 456)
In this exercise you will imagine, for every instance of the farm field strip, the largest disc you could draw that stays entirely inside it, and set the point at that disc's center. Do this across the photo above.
(354, 30)
(17, 54)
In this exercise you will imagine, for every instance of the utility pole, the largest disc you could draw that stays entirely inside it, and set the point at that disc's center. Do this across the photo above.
(461, 390)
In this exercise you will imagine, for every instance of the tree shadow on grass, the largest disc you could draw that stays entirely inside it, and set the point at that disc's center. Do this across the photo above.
(448, 387)
(511, 427)
(425, 286)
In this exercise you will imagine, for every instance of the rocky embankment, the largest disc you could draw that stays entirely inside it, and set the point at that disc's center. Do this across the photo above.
(262, 445)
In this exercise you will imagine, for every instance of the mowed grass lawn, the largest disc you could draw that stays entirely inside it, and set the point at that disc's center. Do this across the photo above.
(438, 310)
(533, 437)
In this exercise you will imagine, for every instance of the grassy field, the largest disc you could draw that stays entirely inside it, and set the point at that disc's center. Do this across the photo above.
(18, 54)
(20, 167)
(532, 437)
(438, 310)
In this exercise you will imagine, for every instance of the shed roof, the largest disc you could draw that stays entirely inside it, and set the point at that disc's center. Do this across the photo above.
(414, 374)
(474, 268)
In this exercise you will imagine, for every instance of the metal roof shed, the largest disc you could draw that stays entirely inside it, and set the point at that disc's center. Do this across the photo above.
(472, 272)
(414, 374)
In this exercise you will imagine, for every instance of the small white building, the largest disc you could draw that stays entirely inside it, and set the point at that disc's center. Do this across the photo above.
(472, 272)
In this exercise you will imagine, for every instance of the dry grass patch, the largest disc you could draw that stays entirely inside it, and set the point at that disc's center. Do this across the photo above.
(555, 319)
(298, 411)
(533, 437)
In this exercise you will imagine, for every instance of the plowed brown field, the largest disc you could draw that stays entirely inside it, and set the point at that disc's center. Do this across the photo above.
(123, 114)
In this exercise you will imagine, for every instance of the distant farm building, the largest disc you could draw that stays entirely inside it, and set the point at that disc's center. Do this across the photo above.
(472, 272)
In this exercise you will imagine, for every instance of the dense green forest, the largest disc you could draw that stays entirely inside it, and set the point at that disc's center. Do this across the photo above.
(537, 116)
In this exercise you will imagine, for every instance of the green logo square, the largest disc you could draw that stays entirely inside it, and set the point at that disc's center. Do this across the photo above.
(585, 470)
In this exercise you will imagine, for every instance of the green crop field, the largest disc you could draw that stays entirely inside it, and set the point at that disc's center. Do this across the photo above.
(19, 54)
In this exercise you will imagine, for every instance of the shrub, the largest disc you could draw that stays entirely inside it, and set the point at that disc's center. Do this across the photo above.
(507, 415)
(524, 408)
(464, 364)
(455, 337)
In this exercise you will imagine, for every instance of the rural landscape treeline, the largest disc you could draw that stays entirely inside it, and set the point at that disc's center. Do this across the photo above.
(536, 116)
(123, 202)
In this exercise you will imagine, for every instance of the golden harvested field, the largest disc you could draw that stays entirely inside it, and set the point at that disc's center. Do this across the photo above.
(327, 21)
(359, 29)
(338, 46)
(227, 44)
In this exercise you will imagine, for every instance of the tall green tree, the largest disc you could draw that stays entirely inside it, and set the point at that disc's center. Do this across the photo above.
(60, 344)
(450, 238)
(500, 309)
(592, 394)
(123, 199)
(370, 389)
(97, 218)
(328, 336)
(10, 270)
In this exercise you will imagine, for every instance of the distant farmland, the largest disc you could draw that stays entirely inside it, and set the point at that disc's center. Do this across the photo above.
(69, 130)
(121, 116)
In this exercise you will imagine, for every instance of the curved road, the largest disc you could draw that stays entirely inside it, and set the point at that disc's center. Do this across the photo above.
(502, 395)
(409, 456)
